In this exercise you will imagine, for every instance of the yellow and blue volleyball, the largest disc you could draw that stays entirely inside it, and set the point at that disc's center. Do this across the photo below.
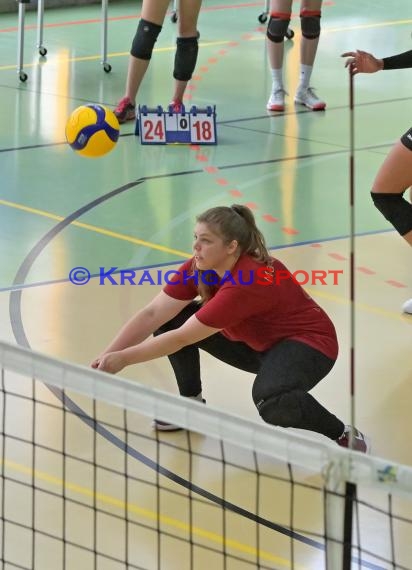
(92, 130)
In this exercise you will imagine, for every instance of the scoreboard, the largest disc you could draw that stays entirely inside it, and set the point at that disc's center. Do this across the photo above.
(159, 126)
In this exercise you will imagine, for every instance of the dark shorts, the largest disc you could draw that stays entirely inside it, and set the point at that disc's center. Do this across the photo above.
(406, 139)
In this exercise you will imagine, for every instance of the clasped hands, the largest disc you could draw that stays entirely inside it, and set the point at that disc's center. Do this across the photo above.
(111, 362)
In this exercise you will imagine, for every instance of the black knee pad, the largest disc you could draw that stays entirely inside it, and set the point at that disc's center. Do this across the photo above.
(310, 24)
(284, 410)
(277, 27)
(145, 39)
(185, 58)
(396, 210)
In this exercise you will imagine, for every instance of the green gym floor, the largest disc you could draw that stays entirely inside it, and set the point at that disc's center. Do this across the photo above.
(135, 207)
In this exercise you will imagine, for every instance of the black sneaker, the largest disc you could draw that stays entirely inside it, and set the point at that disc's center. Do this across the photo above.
(159, 425)
(125, 110)
(360, 442)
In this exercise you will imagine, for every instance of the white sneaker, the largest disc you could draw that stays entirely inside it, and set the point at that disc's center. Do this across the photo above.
(407, 307)
(277, 101)
(159, 425)
(308, 98)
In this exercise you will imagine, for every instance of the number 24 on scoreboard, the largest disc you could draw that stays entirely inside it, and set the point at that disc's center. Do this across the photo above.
(153, 129)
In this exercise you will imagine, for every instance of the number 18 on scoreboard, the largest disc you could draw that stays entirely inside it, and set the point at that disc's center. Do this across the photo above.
(159, 126)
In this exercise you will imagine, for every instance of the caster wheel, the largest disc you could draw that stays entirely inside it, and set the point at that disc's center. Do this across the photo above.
(107, 67)
(42, 51)
(262, 17)
(23, 76)
(173, 17)
(290, 34)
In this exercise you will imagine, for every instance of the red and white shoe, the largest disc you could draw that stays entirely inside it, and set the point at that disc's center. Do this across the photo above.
(125, 110)
(276, 101)
(359, 441)
(309, 98)
(176, 105)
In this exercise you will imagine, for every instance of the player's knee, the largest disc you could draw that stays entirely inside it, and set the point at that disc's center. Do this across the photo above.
(310, 23)
(278, 26)
(145, 39)
(185, 58)
(395, 209)
(283, 410)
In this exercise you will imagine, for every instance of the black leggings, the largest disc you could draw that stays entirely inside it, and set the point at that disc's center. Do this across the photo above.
(284, 375)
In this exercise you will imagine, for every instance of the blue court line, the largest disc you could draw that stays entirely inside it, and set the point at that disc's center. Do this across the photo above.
(17, 287)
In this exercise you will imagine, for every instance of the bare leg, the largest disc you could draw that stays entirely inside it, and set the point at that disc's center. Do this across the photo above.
(187, 22)
(275, 49)
(310, 23)
(395, 175)
(153, 11)
(280, 11)
(309, 46)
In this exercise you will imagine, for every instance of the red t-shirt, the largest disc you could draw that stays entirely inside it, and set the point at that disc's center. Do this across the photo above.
(259, 314)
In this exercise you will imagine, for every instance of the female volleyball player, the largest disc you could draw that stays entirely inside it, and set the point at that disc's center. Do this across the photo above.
(395, 175)
(280, 12)
(252, 315)
(150, 25)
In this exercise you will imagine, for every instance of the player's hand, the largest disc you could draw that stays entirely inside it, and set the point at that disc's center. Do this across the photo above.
(111, 362)
(362, 62)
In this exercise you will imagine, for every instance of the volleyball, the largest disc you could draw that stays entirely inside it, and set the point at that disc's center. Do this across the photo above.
(92, 130)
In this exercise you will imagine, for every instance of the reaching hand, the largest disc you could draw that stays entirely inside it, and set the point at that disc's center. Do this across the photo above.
(111, 362)
(362, 62)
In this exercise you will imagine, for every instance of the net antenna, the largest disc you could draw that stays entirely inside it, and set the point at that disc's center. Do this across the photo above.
(352, 246)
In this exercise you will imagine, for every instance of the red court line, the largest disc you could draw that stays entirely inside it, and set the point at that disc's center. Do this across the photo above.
(395, 283)
(366, 271)
(337, 256)
(116, 18)
(270, 218)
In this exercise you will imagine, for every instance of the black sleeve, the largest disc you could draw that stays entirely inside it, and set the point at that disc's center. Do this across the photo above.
(400, 61)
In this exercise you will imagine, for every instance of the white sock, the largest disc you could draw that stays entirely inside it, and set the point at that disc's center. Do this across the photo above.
(277, 77)
(305, 74)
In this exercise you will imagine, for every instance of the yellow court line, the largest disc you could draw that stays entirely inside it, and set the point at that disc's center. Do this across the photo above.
(148, 514)
(208, 44)
(362, 306)
(369, 26)
(326, 30)
(110, 55)
(96, 229)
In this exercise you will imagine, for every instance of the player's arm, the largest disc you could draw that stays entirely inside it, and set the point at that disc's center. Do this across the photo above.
(162, 345)
(400, 61)
(159, 311)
